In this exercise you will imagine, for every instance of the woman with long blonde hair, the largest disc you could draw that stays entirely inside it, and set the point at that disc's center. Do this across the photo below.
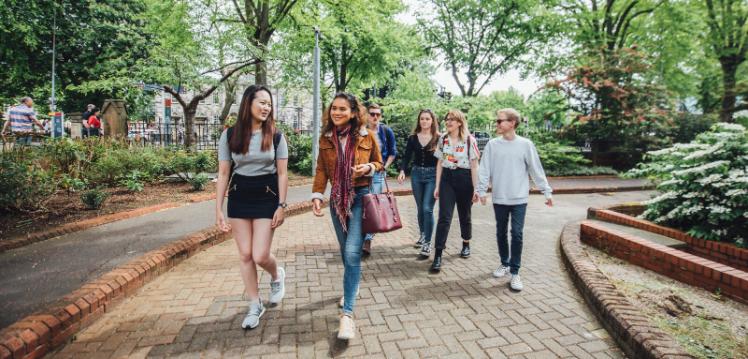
(456, 180)
(420, 147)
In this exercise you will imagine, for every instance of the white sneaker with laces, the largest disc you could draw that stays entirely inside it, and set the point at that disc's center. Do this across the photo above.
(516, 282)
(501, 271)
(256, 310)
(347, 329)
(278, 287)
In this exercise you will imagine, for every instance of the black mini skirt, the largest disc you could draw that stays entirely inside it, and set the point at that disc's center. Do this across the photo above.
(253, 196)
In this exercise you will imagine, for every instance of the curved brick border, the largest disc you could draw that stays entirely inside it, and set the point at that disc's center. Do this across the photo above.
(725, 253)
(633, 332)
(39, 333)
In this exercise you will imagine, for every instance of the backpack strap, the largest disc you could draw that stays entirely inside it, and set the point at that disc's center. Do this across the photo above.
(276, 141)
(229, 132)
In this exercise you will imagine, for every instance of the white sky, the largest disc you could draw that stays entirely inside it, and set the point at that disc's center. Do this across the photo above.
(444, 77)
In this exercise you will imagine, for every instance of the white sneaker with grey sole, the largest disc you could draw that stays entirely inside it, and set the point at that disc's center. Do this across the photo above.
(256, 310)
(501, 271)
(516, 283)
(278, 287)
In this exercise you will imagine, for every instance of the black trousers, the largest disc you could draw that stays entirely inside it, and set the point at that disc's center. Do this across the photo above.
(455, 188)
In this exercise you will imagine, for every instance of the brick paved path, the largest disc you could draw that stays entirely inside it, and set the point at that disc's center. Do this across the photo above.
(195, 310)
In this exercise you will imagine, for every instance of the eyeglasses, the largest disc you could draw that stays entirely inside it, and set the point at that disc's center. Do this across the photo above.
(500, 120)
(450, 119)
(375, 114)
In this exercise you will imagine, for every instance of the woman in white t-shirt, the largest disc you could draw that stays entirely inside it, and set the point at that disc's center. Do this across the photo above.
(456, 180)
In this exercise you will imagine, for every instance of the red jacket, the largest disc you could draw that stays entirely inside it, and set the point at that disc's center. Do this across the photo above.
(94, 122)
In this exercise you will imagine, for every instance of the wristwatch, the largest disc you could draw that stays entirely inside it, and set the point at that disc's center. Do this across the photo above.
(283, 205)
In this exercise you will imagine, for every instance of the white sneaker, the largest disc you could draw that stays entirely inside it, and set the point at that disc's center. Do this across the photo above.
(516, 282)
(256, 310)
(347, 329)
(501, 271)
(342, 299)
(278, 288)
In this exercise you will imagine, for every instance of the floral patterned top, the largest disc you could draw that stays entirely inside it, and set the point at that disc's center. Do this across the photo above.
(455, 155)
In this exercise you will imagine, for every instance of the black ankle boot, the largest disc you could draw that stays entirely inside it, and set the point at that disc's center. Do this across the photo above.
(465, 251)
(436, 267)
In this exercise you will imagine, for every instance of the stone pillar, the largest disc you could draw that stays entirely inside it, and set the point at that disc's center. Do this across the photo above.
(76, 124)
(114, 118)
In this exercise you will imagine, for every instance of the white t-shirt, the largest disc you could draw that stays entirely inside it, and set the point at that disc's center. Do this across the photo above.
(455, 155)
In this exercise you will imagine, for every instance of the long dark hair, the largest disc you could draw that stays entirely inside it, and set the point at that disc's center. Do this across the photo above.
(434, 128)
(360, 116)
(239, 142)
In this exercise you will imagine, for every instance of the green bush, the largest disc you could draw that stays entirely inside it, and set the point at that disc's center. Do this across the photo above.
(198, 181)
(24, 185)
(133, 181)
(188, 164)
(299, 151)
(94, 198)
(562, 160)
(703, 184)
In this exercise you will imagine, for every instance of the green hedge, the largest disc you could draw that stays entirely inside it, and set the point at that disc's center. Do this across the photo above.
(29, 176)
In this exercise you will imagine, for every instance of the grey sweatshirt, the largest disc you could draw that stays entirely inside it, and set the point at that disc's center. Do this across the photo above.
(506, 165)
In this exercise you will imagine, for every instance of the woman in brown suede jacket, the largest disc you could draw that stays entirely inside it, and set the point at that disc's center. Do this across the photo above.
(348, 157)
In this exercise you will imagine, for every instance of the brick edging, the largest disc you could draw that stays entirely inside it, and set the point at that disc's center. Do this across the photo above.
(725, 253)
(39, 333)
(634, 333)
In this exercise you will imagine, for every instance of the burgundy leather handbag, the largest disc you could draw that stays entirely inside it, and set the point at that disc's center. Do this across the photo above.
(380, 212)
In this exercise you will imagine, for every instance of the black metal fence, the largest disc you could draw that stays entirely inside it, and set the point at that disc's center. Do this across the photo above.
(205, 136)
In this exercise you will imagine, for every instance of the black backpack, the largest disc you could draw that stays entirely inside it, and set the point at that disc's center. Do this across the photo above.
(276, 141)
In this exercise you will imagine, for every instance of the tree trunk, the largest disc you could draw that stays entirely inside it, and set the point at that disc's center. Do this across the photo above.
(189, 120)
(261, 73)
(729, 68)
(229, 88)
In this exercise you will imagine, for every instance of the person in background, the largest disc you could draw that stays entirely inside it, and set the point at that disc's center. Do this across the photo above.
(84, 119)
(421, 146)
(456, 179)
(94, 124)
(507, 162)
(21, 120)
(386, 140)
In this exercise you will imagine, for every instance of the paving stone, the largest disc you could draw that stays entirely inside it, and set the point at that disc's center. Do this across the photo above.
(195, 309)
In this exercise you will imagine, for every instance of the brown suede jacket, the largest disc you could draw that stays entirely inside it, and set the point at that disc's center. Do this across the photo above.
(367, 151)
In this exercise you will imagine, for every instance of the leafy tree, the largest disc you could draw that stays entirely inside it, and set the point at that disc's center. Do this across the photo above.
(261, 19)
(95, 41)
(480, 39)
(188, 35)
(361, 43)
(618, 109)
(728, 37)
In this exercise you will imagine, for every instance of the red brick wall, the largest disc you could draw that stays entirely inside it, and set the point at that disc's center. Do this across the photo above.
(673, 263)
(725, 253)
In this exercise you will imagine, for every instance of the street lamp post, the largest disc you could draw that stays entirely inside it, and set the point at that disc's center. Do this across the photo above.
(316, 101)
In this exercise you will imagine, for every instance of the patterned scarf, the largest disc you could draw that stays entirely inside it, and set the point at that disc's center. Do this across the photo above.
(341, 194)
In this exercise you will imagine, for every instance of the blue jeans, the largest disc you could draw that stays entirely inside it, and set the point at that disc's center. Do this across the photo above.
(377, 184)
(351, 244)
(23, 140)
(513, 258)
(423, 182)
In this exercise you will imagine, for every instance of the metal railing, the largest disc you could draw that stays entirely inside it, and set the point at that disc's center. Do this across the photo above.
(205, 136)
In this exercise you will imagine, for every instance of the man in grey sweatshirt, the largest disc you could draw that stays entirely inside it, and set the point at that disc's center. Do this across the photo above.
(506, 164)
